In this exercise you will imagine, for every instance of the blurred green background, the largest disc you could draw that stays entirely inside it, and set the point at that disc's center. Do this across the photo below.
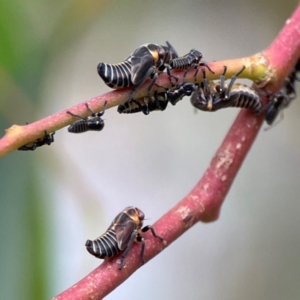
(55, 198)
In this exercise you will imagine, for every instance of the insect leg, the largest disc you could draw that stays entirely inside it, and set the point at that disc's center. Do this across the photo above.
(233, 79)
(103, 110)
(141, 240)
(73, 115)
(206, 88)
(171, 75)
(222, 80)
(146, 228)
(187, 70)
(89, 109)
(125, 253)
(207, 66)
(93, 113)
(152, 83)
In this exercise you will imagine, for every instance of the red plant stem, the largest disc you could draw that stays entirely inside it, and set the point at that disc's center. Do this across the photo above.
(279, 57)
(203, 203)
(284, 51)
(17, 136)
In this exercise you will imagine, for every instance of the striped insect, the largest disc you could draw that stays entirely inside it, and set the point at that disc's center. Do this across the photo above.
(212, 96)
(147, 61)
(48, 139)
(158, 101)
(94, 122)
(283, 98)
(187, 62)
(184, 62)
(120, 235)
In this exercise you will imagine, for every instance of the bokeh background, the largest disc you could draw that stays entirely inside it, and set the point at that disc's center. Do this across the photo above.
(55, 198)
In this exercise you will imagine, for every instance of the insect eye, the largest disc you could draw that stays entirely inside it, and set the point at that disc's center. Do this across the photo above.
(161, 52)
(141, 215)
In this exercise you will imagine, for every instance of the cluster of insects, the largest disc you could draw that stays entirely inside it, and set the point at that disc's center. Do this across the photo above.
(120, 235)
(148, 62)
(211, 96)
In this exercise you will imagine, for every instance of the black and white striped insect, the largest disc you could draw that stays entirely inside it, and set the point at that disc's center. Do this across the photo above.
(120, 235)
(158, 101)
(48, 139)
(94, 122)
(212, 96)
(188, 61)
(185, 61)
(147, 61)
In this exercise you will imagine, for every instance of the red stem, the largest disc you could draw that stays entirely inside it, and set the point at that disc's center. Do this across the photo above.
(203, 203)
(284, 51)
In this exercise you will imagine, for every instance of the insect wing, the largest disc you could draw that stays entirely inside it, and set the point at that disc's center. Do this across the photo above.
(172, 50)
(141, 68)
(124, 231)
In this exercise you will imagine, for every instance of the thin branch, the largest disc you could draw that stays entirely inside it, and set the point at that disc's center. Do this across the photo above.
(268, 69)
(17, 136)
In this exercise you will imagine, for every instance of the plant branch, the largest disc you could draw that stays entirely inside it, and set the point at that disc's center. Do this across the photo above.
(17, 136)
(203, 203)
(284, 51)
(268, 69)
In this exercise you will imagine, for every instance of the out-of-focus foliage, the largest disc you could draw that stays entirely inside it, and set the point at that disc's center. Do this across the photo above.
(31, 33)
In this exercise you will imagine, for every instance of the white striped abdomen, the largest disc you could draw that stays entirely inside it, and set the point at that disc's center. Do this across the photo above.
(116, 76)
(104, 246)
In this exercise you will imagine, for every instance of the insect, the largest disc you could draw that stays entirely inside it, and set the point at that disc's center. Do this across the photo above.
(178, 92)
(283, 98)
(291, 80)
(159, 101)
(184, 62)
(120, 235)
(214, 96)
(278, 102)
(93, 122)
(48, 139)
(187, 62)
(146, 61)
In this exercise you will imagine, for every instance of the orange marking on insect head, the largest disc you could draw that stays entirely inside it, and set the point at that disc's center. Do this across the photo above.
(155, 55)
